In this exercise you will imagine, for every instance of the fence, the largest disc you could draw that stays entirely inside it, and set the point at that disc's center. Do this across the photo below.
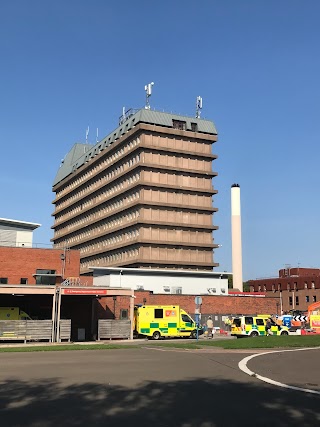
(109, 329)
(65, 330)
(25, 330)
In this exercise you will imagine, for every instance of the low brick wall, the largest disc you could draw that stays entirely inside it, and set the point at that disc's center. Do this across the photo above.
(222, 305)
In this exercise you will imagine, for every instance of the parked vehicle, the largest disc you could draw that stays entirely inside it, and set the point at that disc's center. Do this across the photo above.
(13, 313)
(253, 326)
(156, 321)
(314, 316)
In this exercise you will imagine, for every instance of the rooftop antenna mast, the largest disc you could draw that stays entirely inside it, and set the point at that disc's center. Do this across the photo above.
(198, 107)
(87, 134)
(148, 89)
(97, 137)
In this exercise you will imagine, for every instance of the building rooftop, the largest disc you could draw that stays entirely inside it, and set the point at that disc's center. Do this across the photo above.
(18, 224)
(81, 153)
(158, 272)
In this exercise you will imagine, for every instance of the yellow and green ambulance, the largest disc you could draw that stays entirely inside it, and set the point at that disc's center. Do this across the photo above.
(156, 321)
(13, 313)
(254, 326)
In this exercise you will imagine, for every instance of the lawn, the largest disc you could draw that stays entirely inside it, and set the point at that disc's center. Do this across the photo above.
(66, 347)
(248, 343)
(242, 343)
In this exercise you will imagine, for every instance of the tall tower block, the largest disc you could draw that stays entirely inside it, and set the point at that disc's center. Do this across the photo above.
(236, 237)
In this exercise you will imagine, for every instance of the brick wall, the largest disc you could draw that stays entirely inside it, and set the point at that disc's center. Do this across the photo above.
(17, 263)
(223, 305)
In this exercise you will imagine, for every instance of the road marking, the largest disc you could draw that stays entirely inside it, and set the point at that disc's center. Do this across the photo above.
(243, 367)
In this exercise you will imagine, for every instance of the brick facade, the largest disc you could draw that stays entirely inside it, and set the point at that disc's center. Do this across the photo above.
(22, 263)
(297, 288)
(220, 305)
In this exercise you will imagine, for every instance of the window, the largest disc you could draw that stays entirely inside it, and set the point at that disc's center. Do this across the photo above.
(297, 300)
(248, 320)
(178, 124)
(307, 298)
(259, 322)
(314, 298)
(290, 300)
(123, 314)
(185, 318)
(4, 280)
(45, 277)
(312, 285)
(23, 281)
(194, 127)
(158, 313)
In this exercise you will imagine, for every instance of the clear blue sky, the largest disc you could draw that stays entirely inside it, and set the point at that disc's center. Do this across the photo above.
(66, 65)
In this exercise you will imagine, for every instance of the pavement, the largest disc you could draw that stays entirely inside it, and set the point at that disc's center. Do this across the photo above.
(155, 387)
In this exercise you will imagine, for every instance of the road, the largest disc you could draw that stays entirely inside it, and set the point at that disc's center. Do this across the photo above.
(153, 387)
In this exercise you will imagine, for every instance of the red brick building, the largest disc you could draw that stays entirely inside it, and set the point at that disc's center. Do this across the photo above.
(295, 288)
(34, 266)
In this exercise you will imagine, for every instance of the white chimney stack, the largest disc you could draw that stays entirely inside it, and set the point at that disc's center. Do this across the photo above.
(236, 237)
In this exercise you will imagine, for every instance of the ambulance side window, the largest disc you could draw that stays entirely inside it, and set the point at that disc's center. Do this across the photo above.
(158, 313)
(185, 318)
(259, 322)
(248, 320)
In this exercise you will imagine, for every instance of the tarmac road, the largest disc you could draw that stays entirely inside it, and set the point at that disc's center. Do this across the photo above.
(147, 387)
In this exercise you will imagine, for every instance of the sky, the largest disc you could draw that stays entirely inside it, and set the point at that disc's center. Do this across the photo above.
(67, 65)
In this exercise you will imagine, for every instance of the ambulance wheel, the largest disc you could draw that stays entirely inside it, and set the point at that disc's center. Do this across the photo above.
(193, 335)
(254, 334)
(156, 335)
(284, 333)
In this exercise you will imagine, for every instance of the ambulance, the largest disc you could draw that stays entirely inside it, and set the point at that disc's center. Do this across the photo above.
(157, 321)
(13, 313)
(254, 326)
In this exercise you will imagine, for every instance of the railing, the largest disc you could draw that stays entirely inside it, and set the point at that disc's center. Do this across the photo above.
(76, 281)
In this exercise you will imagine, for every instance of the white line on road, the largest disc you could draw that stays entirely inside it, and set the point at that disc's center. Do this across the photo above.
(243, 366)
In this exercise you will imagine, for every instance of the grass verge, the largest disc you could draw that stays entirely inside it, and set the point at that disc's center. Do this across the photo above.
(249, 343)
(242, 343)
(67, 347)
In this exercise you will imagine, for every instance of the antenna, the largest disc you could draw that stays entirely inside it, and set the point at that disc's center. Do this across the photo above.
(97, 138)
(87, 134)
(198, 107)
(148, 89)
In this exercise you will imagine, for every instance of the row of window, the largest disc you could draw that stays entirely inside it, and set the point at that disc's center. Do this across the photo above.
(178, 180)
(4, 281)
(91, 232)
(314, 299)
(97, 199)
(104, 210)
(98, 166)
(289, 287)
(181, 144)
(104, 260)
(96, 183)
(104, 243)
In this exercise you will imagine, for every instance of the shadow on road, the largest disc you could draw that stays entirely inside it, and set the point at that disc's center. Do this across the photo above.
(197, 403)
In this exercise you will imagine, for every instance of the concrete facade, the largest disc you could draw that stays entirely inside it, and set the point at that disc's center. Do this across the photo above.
(163, 281)
(295, 288)
(141, 197)
(16, 233)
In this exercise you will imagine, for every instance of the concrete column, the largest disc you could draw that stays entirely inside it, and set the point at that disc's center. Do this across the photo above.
(131, 314)
(236, 237)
